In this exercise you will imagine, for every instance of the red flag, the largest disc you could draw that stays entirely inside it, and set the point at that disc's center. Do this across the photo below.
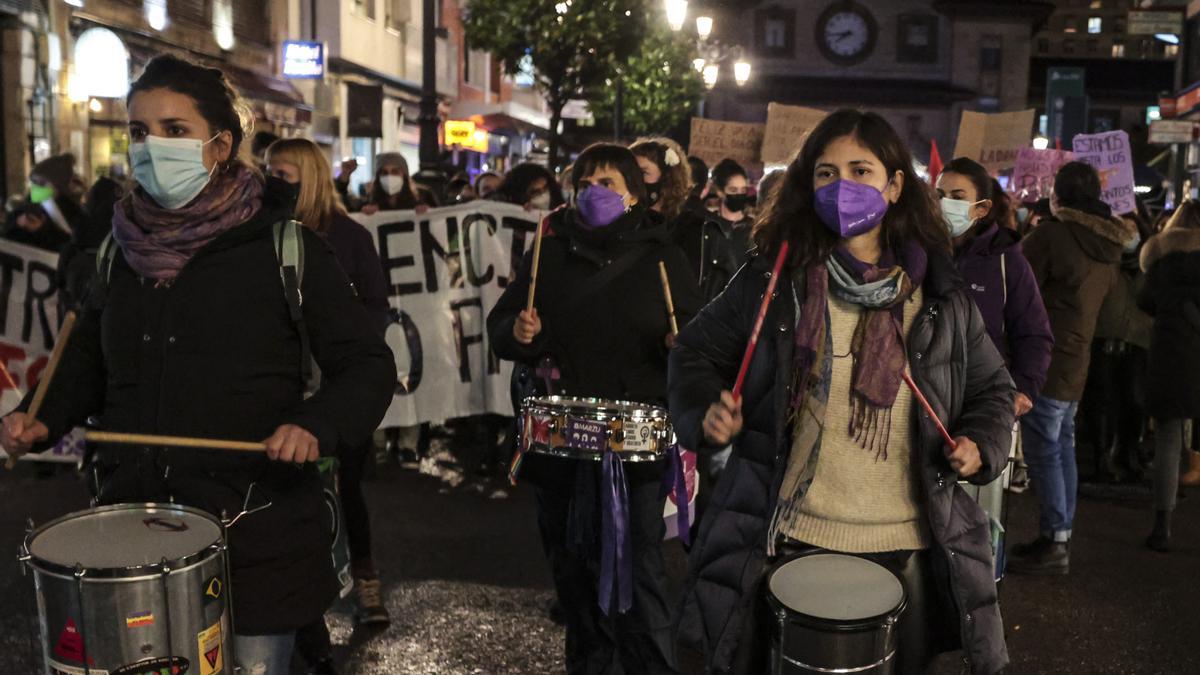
(1058, 143)
(935, 162)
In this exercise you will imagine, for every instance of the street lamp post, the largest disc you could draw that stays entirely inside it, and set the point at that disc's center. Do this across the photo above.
(430, 174)
(712, 53)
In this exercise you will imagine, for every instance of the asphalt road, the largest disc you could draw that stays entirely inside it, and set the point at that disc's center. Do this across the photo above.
(467, 587)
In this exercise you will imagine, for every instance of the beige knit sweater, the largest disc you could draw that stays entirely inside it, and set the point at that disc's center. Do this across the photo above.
(857, 503)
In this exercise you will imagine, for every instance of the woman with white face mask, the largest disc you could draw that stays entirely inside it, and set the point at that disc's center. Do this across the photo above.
(191, 333)
(997, 274)
(392, 189)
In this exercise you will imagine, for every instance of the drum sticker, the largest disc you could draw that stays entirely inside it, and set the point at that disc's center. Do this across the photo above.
(57, 668)
(639, 437)
(163, 665)
(541, 429)
(70, 644)
(209, 641)
(140, 619)
(165, 525)
(586, 435)
(212, 590)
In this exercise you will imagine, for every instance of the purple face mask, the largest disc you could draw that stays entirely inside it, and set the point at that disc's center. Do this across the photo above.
(848, 208)
(599, 206)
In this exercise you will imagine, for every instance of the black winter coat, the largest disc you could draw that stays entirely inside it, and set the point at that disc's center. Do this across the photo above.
(959, 370)
(355, 250)
(216, 355)
(713, 248)
(610, 343)
(1172, 296)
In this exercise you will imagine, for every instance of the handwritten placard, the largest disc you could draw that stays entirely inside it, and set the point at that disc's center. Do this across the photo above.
(713, 141)
(1033, 176)
(1109, 154)
(994, 139)
(787, 128)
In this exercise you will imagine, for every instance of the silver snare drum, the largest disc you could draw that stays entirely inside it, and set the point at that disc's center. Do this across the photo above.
(132, 588)
(584, 428)
(833, 613)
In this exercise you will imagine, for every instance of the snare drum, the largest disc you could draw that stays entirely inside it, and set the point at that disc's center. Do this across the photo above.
(833, 613)
(130, 589)
(584, 428)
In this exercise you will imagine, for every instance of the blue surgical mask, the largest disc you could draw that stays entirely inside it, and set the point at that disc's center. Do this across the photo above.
(1022, 214)
(957, 215)
(170, 170)
(1132, 244)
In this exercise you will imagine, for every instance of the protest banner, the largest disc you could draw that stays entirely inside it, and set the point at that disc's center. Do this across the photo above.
(29, 322)
(1033, 176)
(1110, 154)
(713, 141)
(787, 127)
(446, 269)
(994, 139)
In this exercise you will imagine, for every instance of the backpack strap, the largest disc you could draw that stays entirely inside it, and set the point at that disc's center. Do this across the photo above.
(289, 251)
(104, 259)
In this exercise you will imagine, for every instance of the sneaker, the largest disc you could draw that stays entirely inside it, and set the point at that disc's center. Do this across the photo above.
(1041, 556)
(370, 602)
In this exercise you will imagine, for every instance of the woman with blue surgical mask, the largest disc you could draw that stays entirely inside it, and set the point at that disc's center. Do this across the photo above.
(193, 331)
(600, 329)
(831, 452)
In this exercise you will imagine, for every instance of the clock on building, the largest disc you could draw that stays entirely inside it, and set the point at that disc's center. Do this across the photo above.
(846, 32)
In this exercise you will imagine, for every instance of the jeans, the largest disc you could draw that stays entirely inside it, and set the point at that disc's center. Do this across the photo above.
(1048, 436)
(263, 654)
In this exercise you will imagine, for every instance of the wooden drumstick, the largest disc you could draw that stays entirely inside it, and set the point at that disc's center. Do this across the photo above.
(537, 258)
(39, 394)
(173, 441)
(666, 284)
(758, 321)
(8, 379)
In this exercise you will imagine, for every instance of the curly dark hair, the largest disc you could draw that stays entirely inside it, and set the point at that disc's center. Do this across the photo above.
(676, 179)
(790, 216)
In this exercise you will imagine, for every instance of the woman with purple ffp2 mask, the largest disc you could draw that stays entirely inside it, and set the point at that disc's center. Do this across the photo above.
(830, 451)
(600, 329)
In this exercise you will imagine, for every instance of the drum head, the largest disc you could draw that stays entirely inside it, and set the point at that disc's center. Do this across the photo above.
(124, 536)
(836, 587)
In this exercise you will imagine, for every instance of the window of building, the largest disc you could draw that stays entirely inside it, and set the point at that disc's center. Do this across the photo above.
(1118, 49)
(397, 13)
(917, 41)
(1170, 51)
(775, 31)
(475, 67)
(1094, 25)
(1093, 47)
(365, 8)
(1097, 4)
(1118, 26)
(1068, 46)
(990, 53)
(1069, 25)
(774, 34)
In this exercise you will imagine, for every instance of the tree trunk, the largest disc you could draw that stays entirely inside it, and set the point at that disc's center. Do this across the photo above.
(556, 108)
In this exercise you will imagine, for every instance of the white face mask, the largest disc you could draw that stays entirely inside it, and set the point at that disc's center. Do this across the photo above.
(541, 202)
(170, 170)
(392, 184)
(957, 215)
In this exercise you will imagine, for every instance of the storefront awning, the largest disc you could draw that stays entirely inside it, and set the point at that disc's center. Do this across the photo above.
(499, 117)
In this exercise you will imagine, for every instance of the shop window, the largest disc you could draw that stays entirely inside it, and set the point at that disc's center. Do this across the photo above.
(917, 41)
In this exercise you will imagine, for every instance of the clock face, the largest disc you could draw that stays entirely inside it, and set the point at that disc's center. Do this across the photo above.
(846, 33)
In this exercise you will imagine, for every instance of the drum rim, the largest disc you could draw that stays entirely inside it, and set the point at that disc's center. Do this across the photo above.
(591, 403)
(132, 571)
(832, 625)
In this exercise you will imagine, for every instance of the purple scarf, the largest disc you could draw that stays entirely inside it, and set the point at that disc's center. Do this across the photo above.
(158, 242)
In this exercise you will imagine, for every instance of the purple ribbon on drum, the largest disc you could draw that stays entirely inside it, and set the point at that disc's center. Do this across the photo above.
(676, 479)
(616, 547)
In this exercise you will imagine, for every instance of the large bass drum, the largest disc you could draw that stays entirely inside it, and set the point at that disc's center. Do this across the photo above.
(833, 613)
(130, 589)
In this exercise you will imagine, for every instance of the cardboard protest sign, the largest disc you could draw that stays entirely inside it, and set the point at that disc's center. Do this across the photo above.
(713, 140)
(1109, 153)
(1033, 177)
(994, 139)
(787, 127)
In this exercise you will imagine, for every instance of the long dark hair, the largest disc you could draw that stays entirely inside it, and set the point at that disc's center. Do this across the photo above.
(789, 214)
(216, 100)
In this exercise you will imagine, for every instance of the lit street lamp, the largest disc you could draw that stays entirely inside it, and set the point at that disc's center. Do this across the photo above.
(704, 25)
(712, 53)
(676, 13)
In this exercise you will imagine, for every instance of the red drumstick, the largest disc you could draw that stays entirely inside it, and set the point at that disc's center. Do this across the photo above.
(758, 321)
(929, 411)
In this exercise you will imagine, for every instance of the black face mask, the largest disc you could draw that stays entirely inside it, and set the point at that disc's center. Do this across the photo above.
(653, 194)
(736, 203)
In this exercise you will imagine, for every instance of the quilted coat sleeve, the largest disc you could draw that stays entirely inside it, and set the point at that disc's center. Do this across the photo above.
(987, 414)
(706, 358)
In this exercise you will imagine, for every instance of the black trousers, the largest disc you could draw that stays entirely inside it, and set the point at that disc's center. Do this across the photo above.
(640, 641)
(917, 643)
(354, 508)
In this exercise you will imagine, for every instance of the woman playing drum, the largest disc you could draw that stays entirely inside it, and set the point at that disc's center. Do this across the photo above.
(601, 318)
(830, 450)
(190, 334)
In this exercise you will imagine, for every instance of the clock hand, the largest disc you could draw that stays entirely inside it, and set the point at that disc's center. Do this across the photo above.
(841, 36)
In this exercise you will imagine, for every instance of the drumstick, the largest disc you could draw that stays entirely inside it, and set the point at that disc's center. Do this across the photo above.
(8, 379)
(929, 411)
(39, 394)
(172, 441)
(537, 257)
(666, 284)
(758, 321)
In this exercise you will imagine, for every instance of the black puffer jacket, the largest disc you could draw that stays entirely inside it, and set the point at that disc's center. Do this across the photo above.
(954, 363)
(713, 248)
(1172, 296)
(216, 355)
